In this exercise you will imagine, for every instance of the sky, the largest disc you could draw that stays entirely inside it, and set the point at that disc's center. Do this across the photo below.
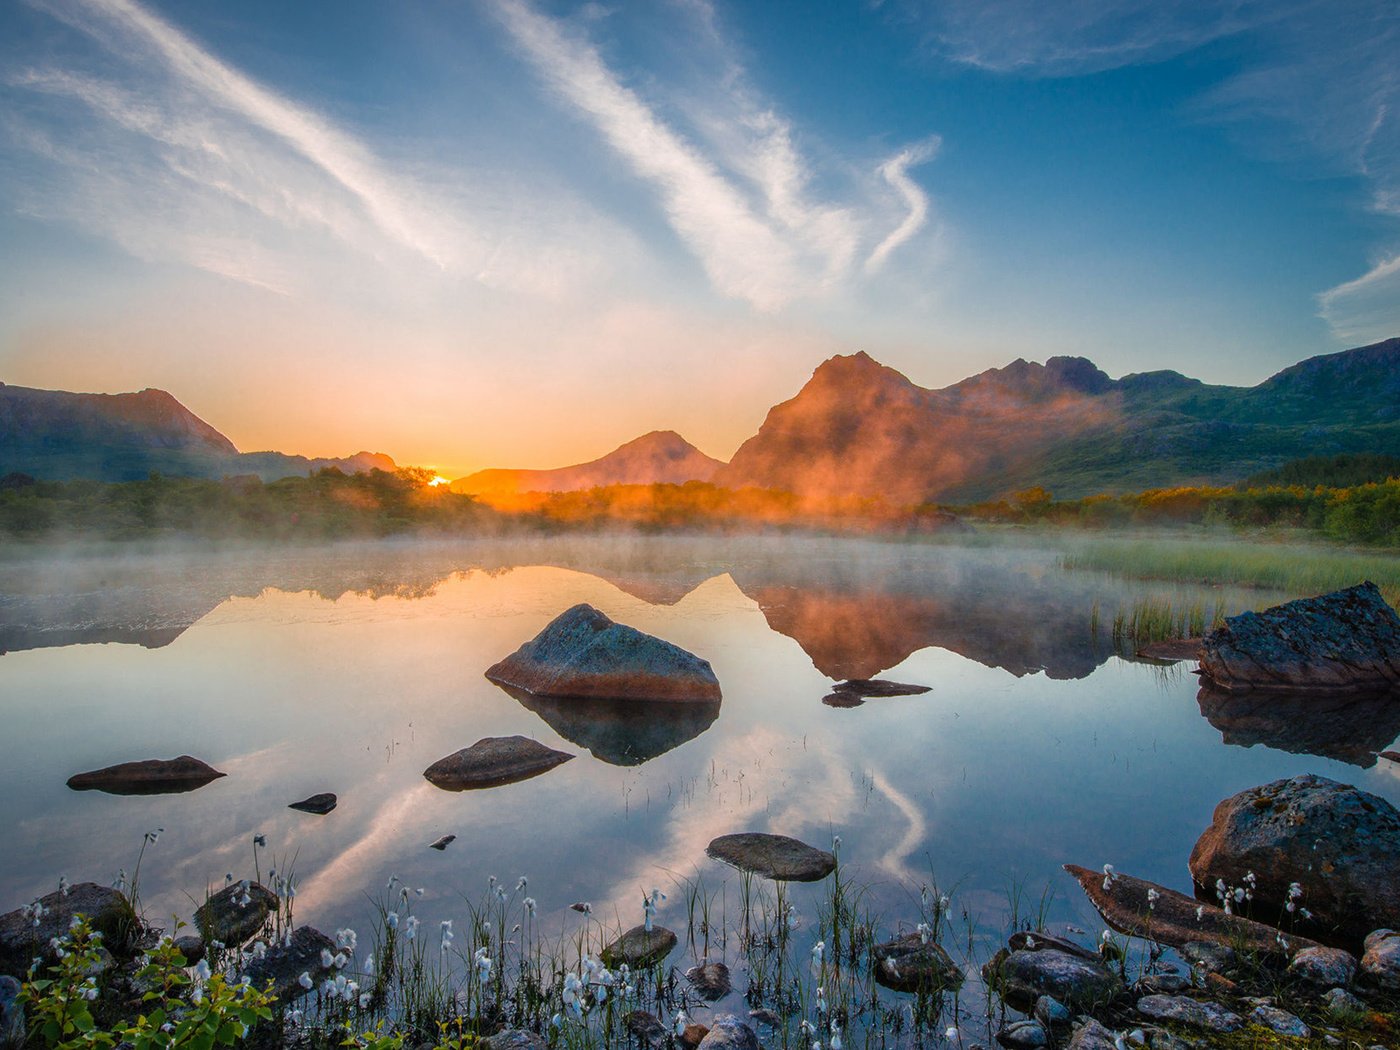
(519, 233)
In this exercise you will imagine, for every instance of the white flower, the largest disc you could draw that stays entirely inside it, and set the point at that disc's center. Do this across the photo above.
(411, 927)
(393, 920)
(1201, 913)
(305, 980)
(364, 1000)
(520, 886)
(340, 960)
(923, 930)
(530, 905)
(201, 970)
(1152, 898)
(680, 1023)
(951, 1033)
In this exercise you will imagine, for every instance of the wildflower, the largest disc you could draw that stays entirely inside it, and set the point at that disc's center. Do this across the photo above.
(557, 1021)
(923, 931)
(154, 836)
(582, 906)
(835, 1041)
(63, 885)
(393, 881)
(520, 886)
(419, 891)
(1152, 898)
(1108, 876)
(944, 902)
(835, 843)
(201, 970)
(818, 950)
(1030, 943)
(327, 959)
(411, 927)
(260, 840)
(296, 1015)
(340, 960)
(347, 939)
(392, 919)
(305, 980)
(1305, 914)
(364, 1000)
(821, 999)
(1201, 913)
(681, 1022)
(197, 994)
(951, 1033)
(228, 878)
(530, 905)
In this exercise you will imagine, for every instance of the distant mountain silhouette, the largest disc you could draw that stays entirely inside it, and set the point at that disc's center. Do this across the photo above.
(661, 457)
(860, 428)
(57, 435)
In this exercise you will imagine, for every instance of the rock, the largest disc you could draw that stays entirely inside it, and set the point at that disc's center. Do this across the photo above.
(692, 1035)
(583, 653)
(21, 941)
(1336, 841)
(1092, 1036)
(646, 1027)
(1161, 1039)
(842, 700)
(514, 1039)
(773, 856)
(1347, 641)
(1022, 1035)
(730, 1033)
(1022, 977)
(622, 732)
(1220, 984)
(226, 917)
(640, 949)
(868, 687)
(319, 804)
(1323, 967)
(710, 980)
(1174, 918)
(1341, 1004)
(191, 947)
(284, 963)
(907, 964)
(442, 843)
(1349, 727)
(1053, 1015)
(1280, 1021)
(493, 761)
(1191, 1012)
(1161, 984)
(11, 1013)
(1210, 957)
(765, 1016)
(153, 776)
(1172, 650)
(1380, 964)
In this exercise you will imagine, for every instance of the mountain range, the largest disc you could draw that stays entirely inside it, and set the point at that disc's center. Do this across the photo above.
(856, 428)
(57, 435)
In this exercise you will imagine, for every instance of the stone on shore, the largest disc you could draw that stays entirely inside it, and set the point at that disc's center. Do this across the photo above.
(907, 964)
(730, 1033)
(776, 857)
(226, 917)
(284, 964)
(1323, 967)
(1347, 640)
(1380, 965)
(583, 653)
(1173, 918)
(493, 761)
(1280, 1021)
(191, 947)
(1191, 1012)
(318, 804)
(1079, 981)
(1337, 842)
(1093, 1036)
(107, 910)
(1023, 1035)
(639, 948)
(152, 776)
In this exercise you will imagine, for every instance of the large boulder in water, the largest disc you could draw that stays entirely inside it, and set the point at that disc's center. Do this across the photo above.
(492, 761)
(284, 963)
(1337, 842)
(25, 933)
(236, 913)
(1037, 966)
(152, 776)
(912, 964)
(1345, 641)
(776, 857)
(583, 653)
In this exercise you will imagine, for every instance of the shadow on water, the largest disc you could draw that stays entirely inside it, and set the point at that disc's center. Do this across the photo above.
(1349, 729)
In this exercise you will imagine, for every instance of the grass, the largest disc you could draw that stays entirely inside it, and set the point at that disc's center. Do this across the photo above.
(1159, 620)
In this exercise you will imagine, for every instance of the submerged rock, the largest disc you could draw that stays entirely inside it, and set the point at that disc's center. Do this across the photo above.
(640, 948)
(1337, 842)
(622, 732)
(1079, 981)
(645, 1026)
(152, 776)
(493, 761)
(319, 804)
(908, 964)
(285, 962)
(21, 939)
(775, 857)
(1191, 1012)
(442, 842)
(710, 980)
(1347, 640)
(229, 918)
(730, 1033)
(583, 653)
(1380, 964)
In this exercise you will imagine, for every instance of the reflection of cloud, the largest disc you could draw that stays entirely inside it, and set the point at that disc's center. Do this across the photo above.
(896, 859)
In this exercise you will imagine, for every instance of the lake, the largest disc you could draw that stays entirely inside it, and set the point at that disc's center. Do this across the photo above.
(351, 668)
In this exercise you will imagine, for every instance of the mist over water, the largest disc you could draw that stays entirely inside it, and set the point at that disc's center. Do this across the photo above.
(352, 668)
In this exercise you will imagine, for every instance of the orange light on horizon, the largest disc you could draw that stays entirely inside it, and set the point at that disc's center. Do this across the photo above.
(438, 479)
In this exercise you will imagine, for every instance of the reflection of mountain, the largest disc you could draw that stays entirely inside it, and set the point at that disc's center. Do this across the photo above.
(622, 732)
(1349, 729)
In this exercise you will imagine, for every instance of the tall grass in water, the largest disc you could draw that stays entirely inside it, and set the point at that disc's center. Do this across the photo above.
(1158, 620)
(1299, 569)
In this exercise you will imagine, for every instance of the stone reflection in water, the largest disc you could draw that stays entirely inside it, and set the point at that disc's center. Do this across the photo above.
(622, 732)
(1347, 728)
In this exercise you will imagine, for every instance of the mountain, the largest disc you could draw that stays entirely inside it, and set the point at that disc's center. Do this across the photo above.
(662, 456)
(859, 428)
(58, 435)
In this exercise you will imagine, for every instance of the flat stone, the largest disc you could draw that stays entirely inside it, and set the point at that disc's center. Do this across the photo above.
(1340, 1003)
(441, 843)
(645, 1026)
(223, 918)
(640, 949)
(21, 941)
(842, 700)
(1344, 641)
(1191, 1012)
(1021, 977)
(1280, 1021)
(284, 964)
(1210, 957)
(319, 804)
(1161, 984)
(868, 687)
(1380, 964)
(1052, 1014)
(1337, 842)
(1093, 1036)
(907, 964)
(152, 776)
(773, 856)
(1323, 967)
(493, 761)
(710, 980)
(730, 1033)
(584, 653)
(692, 1035)
(1022, 1035)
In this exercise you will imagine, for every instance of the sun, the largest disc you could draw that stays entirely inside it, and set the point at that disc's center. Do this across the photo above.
(438, 479)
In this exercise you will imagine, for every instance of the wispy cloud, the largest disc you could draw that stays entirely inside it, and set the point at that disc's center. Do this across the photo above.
(895, 171)
(735, 191)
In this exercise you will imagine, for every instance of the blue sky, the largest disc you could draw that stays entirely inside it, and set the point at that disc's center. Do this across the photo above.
(518, 233)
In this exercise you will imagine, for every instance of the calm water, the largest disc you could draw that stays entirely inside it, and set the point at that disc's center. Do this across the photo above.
(351, 669)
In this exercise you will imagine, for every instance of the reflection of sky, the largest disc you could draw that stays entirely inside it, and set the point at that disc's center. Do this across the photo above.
(989, 779)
